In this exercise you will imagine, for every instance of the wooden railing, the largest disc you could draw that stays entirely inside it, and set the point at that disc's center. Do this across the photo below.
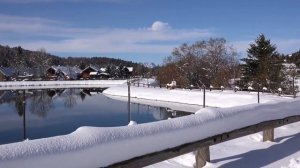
(202, 146)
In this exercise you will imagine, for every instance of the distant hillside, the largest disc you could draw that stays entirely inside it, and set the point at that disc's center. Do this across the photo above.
(294, 58)
(19, 57)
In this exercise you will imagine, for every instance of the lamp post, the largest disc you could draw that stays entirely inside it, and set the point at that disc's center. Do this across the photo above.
(128, 105)
(203, 95)
(258, 93)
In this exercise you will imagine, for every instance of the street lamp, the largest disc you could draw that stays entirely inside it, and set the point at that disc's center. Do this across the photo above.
(128, 105)
(203, 95)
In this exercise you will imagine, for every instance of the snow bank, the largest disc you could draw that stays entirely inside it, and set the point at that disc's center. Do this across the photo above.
(100, 147)
(193, 97)
(172, 105)
(35, 84)
(294, 163)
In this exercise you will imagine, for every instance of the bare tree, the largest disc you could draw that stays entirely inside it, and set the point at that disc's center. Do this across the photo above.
(204, 62)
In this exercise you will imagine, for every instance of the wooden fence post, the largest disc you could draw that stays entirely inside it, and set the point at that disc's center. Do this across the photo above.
(202, 156)
(268, 135)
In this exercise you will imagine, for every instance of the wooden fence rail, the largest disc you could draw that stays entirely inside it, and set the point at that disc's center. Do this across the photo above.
(202, 146)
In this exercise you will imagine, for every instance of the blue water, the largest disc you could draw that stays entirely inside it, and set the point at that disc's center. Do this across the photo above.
(61, 111)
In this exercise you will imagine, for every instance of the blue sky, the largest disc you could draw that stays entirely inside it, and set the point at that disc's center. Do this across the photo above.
(145, 30)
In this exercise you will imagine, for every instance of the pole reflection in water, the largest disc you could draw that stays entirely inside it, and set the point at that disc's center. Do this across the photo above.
(24, 116)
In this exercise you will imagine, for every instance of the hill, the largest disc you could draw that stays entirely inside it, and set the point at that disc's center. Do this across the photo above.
(18, 57)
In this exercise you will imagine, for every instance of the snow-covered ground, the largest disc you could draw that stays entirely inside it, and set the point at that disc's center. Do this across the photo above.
(214, 98)
(99, 147)
(52, 84)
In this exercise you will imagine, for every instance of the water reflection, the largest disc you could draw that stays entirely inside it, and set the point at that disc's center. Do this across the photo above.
(28, 113)
(41, 103)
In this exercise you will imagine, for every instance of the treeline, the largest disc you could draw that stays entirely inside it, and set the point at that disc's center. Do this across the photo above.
(293, 58)
(215, 63)
(17, 57)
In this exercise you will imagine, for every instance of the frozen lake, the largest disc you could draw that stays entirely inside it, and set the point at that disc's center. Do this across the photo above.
(54, 112)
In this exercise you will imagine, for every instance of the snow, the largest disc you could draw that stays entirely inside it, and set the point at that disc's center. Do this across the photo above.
(216, 98)
(132, 123)
(60, 84)
(100, 147)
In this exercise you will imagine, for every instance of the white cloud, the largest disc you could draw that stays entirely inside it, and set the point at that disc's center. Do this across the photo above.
(159, 38)
(160, 26)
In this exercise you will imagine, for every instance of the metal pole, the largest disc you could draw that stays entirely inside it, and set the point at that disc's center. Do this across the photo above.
(294, 93)
(203, 96)
(24, 116)
(128, 105)
(258, 93)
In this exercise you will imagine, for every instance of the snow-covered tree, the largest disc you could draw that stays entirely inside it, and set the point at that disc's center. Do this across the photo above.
(290, 74)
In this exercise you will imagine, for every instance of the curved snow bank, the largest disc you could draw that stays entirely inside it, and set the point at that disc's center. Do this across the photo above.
(193, 97)
(100, 147)
(34, 84)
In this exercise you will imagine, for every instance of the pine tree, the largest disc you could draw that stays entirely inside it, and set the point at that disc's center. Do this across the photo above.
(262, 65)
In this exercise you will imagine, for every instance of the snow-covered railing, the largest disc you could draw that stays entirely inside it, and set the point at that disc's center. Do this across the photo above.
(43, 84)
(145, 144)
(202, 146)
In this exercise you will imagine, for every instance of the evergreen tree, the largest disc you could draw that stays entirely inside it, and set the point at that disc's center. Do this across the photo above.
(262, 65)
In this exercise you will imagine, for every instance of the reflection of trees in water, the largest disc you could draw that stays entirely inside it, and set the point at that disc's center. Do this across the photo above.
(42, 100)
(41, 103)
(70, 98)
(162, 113)
(82, 96)
(19, 103)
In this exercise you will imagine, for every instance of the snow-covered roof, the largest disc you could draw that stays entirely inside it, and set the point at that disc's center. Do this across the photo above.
(7, 71)
(102, 69)
(94, 67)
(93, 73)
(130, 69)
(25, 72)
(103, 73)
(67, 70)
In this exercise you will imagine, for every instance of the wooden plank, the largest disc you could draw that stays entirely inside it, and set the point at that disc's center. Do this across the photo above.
(159, 156)
(202, 156)
(268, 135)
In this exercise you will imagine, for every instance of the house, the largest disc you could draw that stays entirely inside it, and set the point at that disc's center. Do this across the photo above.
(6, 73)
(89, 72)
(94, 72)
(63, 73)
(128, 71)
(24, 74)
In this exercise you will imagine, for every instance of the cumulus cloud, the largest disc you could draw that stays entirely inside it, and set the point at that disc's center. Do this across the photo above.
(160, 26)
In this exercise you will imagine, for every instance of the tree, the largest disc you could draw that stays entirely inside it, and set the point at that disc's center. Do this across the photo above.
(262, 65)
(205, 62)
